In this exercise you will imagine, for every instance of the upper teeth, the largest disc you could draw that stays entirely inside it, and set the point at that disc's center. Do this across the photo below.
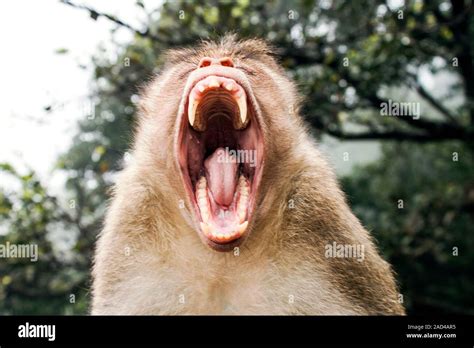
(243, 109)
(236, 91)
(192, 107)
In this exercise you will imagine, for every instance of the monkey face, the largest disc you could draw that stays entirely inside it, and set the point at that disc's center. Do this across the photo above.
(229, 110)
(220, 150)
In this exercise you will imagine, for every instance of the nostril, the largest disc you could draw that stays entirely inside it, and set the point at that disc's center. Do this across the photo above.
(227, 62)
(205, 62)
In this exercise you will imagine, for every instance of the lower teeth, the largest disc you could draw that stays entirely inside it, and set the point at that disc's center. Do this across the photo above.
(208, 225)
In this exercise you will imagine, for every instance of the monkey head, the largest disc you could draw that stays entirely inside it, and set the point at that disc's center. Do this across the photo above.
(228, 120)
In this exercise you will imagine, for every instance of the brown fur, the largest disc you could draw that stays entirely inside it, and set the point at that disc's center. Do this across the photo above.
(149, 260)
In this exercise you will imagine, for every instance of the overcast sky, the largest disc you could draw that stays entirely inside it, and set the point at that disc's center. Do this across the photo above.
(33, 76)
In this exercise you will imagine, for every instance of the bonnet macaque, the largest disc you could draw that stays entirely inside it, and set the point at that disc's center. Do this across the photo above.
(227, 206)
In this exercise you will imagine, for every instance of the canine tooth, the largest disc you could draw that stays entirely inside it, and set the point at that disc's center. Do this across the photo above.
(241, 213)
(202, 183)
(242, 103)
(192, 107)
(205, 228)
(203, 206)
(229, 86)
(242, 207)
(242, 227)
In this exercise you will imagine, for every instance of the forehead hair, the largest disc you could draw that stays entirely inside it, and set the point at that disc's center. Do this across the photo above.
(227, 46)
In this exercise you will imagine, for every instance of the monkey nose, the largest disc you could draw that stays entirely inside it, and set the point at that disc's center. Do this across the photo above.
(225, 61)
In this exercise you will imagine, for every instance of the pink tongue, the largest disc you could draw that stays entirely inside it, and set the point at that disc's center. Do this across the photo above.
(221, 173)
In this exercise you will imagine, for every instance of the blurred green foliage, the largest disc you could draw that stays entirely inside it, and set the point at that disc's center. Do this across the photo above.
(418, 201)
(346, 57)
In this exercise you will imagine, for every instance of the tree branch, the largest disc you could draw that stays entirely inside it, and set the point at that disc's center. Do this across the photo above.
(302, 57)
(461, 31)
(96, 14)
(428, 97)
(420, 123)
(421, 136)
(375, 101)
(433, 130)
(389, 135)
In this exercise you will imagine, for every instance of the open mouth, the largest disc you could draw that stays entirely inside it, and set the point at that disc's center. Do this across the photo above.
(220, 153)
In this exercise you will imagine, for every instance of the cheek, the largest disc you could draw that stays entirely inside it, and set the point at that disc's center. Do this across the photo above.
(163, 103)
(278, 124)
(276, 112)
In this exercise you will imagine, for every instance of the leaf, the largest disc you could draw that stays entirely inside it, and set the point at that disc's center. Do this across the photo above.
(7, 168)
(94, 15)
(61, 50)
